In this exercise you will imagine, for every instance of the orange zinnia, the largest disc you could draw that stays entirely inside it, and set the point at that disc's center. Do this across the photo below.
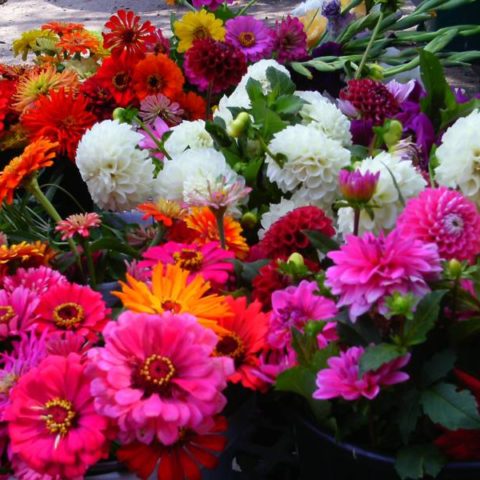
(203, 221)
(26, 255)
(37, 155)
(157, 74)
(81, 42)
(162, 210)
(61, 28)
(172, 291)
(194, 106)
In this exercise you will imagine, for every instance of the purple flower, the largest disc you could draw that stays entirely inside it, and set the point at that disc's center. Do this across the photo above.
(331, 8)
(290, 40)
(293, 307)
(251, 36)
(342, 378)
(358, 187)
(211, 4)
(401, 91)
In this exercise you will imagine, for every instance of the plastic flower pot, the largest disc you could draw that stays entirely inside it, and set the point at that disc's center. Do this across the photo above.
(320, 452)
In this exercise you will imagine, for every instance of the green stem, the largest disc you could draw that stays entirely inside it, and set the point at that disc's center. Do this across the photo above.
(219, 214)
(268, 151)
(184, 3)
(246, 7)
(149, 132)
(356, 220)
(33, 188)
(369, 46)
(90, 264)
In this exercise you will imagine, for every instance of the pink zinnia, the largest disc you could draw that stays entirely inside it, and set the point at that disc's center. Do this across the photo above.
(53, 425)
(156, 375)
(294, 307)
(444, 217)
(39, 280)
(78, 224)
(210, 261)
(73, 307)
(17, 311)
(367, 269)
(342, 378)
(251, 36)
(290, 40)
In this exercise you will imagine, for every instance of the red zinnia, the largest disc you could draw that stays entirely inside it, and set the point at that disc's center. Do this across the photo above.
(286, 235)
(213, 64)
(193, 106)
(157, 74)
(61, 117)
(116, 75)
(100, 99)
(371, 99)
(127, 35)
(268, 280)
(180, 461)
(7, 89)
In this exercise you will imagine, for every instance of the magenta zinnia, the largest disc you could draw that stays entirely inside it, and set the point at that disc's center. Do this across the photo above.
(290, 40)
(444, 217)
(156, 375)
(38, 280)
(368, 269)
(17, 311)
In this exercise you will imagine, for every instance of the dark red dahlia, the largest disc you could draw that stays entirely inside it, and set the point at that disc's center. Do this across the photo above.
(215, 64)
(371, 99)
(100, 100)
(266, 282)
(286, 235)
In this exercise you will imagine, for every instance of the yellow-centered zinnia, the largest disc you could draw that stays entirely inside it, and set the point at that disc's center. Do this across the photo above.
(196, 26)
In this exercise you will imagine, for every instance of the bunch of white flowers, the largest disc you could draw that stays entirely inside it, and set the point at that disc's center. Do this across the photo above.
(188, 135)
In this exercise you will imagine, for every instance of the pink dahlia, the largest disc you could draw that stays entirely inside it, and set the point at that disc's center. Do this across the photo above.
(342, 378)
(156, 375)
(294, 307)
(367, 269)
(444, 217)
(290, 40)
(17, 311)
(210, 261)
(73, 307)
(53, 425)
(78, 224)
(251, 36)
(38, 280)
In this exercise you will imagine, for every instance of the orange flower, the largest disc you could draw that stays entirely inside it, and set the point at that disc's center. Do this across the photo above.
(162, 210)
(37, 155)
(24, 255)
(171, 290)
(157, 74)
(61, 117)
(203, 221)
(194, 106)
(62, 28)
(81, 42)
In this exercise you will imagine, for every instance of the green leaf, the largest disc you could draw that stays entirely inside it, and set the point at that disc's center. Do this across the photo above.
(299, 68)
(465, 329)
(248, 271)
(280, 82)
(288, 104)
(450, 408)
(251, 169)
(377, 355)
(416, 461)
(320, 241)
(362, 332)
(254, 90)
(320, 358)
(409, 413)
(461, 110)
(426, 314)
(269, 121)
(437, 367)
(219, 134)
(114, 245)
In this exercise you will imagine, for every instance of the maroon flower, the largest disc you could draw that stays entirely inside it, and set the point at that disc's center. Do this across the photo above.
(290, 40)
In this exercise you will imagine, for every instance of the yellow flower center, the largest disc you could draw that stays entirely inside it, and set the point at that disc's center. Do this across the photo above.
(229, 345)
(68, 315)
(157, 370)
(247, 39)
(6, 313)
(188, 259)
(59, 416)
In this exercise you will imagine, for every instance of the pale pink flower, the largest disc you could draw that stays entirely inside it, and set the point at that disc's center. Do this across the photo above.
(210, 261)
(342, 378)
(17, 311)
(78, 224)
(156, 375)
(444, 217)
(156, 130)
(368, 269)
(160, 107)
(39, 280)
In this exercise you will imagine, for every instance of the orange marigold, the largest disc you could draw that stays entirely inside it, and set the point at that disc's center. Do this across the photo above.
(37, 155)
(202, 220)
(157, 74)
(81, 42)
(171, 290)
(26, 255)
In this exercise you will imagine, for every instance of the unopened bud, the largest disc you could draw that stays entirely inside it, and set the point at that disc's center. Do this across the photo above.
(454, 268)
(297, 259)
(249, 220)
(375, 71)
(394, 133)
(238, 126)
(119, 114)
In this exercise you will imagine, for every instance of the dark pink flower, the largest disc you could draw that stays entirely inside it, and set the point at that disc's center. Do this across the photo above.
(357, 187)
(17, 311)
(290, 40)
(78, 224)
(38, 280)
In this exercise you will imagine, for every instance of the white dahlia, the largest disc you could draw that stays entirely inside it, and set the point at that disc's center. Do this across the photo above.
(409, 181)
(118, 175)
(188, 135)
(320, 113)
(312, 162)
(459, 157)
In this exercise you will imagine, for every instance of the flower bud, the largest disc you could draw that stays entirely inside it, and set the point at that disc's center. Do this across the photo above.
(375, 71)
(249, 220)
(394, 133)
(119, 114)
(238, 126)
(358, 187)
(454, 268)
(297, 259)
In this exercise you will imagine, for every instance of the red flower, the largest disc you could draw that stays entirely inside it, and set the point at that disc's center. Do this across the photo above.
(371, 99)
(100, 99)
(210, 63)
(7, 89)
(116, 76)
(266, 282)
(127, 35)
(193, 106)
(61, 117)
(180, 461)
(286, 235)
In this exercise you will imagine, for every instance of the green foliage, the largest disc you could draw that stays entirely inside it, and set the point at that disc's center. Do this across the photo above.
(416, 461)
(377, 355)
